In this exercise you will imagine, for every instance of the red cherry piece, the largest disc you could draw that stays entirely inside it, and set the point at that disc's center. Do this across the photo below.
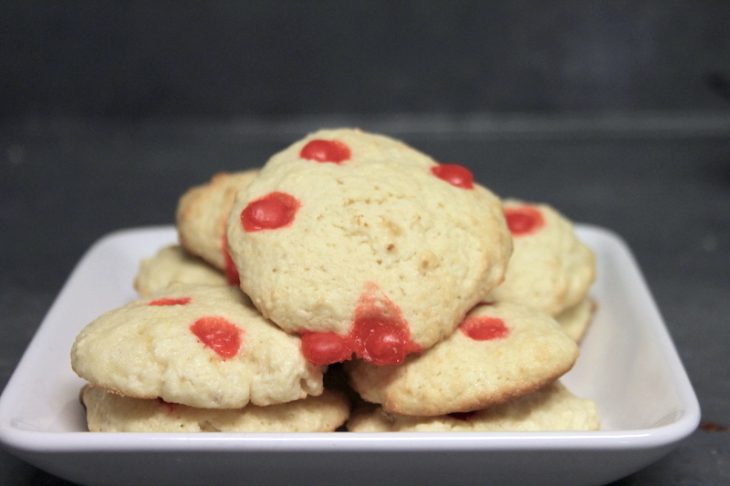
(455, 174)
(484, 328)
(325, 151)
(379, 333)
(218, 334)
(523, 220)
(230, 268)
(323, 348)
(379, 341)
(164, 301)
(274, 210)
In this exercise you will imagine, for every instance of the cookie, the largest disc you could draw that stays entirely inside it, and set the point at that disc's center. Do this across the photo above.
(174, 266)
(202, 214)
(574, 320)
(205, 347)
(499, 352)
(552, 408)
(550, 268)
(364, 245)
(108, 412)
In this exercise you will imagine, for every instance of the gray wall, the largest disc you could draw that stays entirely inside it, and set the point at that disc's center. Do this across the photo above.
(144, 58)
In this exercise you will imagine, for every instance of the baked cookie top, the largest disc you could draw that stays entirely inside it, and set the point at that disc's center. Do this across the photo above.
(499, 352)
(202, 214)
(364, 245)
(205, 347)
(552, 408)
(574, 320)
(170, 266)
(550, 268)
(108, 412)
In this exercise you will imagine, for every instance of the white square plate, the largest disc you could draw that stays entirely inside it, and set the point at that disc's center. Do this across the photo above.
(628, 365)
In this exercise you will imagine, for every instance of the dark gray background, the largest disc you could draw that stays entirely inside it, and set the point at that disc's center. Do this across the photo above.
(618, 113)
(141, 58)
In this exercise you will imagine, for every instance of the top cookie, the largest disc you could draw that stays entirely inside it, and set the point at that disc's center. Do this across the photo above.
(204, 347)
(202, 214)
(550, 269)
(364, 245)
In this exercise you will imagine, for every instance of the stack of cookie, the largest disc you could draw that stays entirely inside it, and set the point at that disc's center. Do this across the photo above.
(451, 309)
(199, 358)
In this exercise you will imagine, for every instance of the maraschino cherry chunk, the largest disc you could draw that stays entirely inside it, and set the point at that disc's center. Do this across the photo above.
(230, 267)
(380, 342)
(218, 334)
(166, 301)
(324, 348)
(484, 328)
(455, 174)
(274, 210)
(523, 220)
(319, 150)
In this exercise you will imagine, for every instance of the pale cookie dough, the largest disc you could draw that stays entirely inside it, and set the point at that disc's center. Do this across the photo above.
(498, 353)
(575, 320)
(108, 412)
(205, 347)
(202, 214)
(174, 266)
(550, 269)
(553, 408)
(378, 249)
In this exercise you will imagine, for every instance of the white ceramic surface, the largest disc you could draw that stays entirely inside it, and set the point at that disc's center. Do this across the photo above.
(628, 364)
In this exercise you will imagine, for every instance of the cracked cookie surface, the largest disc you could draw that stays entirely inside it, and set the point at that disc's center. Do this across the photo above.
(172, 266)
(202, 214)
(550, 269)
(498, 353)
(205, 347)
(366, 246)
